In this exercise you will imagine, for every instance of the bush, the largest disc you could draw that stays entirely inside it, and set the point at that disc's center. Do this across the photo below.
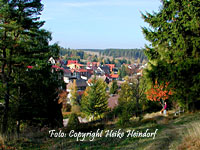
(73, 123)
(124, 118)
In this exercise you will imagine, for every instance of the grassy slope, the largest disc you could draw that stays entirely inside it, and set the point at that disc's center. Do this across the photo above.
(171, 134)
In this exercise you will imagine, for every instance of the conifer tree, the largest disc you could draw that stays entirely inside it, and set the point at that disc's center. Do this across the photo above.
(94, 102)
(74, 94)
(114, 87)
(174, 52)
(23, 46)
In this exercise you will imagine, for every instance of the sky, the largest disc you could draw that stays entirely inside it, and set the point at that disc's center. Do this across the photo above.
(97, 24)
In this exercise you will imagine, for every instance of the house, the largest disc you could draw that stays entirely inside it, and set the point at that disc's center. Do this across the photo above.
(75, 66)
(111, 66)
(81, 86)
(104, 78)
(115, 70)
(67, 75)
(52, 61)
(72, 62)
(103, 70)
(114, 76)
(82, 73)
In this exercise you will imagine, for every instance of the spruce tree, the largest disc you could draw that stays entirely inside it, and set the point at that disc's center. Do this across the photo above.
(114, 87)
(174, 52)
(94, 102)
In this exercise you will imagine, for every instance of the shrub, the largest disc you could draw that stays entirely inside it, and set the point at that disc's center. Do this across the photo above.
(124, 118)
(73, 123)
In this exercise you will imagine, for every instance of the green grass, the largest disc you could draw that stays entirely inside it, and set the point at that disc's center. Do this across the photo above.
(171, 134)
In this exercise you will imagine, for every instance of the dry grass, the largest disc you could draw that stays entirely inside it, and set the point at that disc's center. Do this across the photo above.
(156, 114)
(1, 142)
(190, 143)
(192, 139)
(158, 117)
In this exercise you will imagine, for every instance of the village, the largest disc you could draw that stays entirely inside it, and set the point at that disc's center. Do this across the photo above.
(72, 70)
(92, 74)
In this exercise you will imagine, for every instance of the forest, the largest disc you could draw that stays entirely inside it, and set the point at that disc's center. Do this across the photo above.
(115, 53)
(129, 53)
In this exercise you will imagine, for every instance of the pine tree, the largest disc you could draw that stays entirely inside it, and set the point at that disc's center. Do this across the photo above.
(24, 44)
(94, 102)
(175, 47)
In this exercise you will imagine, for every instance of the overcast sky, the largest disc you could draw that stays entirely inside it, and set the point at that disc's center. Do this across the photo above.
(97, 23)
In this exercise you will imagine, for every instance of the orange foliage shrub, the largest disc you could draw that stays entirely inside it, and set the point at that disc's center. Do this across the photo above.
(159, 92)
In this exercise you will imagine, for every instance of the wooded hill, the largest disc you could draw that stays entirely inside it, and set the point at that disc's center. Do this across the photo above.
(116, 53)
(130, 53)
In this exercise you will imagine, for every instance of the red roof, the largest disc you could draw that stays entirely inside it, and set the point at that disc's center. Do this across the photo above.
(90, 71)
(90, 81)
(114, 76)
(82, 70)
(56, 67)
(111, 66)
(66, 70)
(79, 65)
(72, 62)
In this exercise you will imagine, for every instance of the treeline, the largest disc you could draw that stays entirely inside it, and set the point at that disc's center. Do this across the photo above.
(129, 53)
(92, 50)
(72, 53)
(115, 53)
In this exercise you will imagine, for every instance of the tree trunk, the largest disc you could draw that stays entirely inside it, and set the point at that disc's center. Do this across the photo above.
(18, 128)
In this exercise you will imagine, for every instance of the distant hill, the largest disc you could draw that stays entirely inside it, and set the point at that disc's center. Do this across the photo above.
(115, 53)
(129, 53)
